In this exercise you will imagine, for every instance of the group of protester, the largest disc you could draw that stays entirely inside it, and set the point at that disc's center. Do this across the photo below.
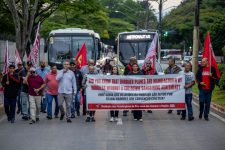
(33, 89)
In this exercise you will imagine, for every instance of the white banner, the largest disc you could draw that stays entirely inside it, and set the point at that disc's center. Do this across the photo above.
(135, 92)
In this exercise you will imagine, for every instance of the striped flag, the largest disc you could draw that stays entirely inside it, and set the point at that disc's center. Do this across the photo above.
(33, 57)
(151, 54)
(6, 59)
(17, 58)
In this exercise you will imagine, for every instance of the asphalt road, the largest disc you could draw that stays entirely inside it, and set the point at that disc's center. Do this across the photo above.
(158, 131)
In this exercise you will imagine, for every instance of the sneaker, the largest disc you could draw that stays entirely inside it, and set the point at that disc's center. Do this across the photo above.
(141, 120)
(18, 111)
(9, 119)
(69, 121)
(49, 117)
(191, 118)
(182, 118)
(135, 119)
(88, 119)
(170, 112)
(12, 120)
(111, 119)
(72, 116)
(206, 118)
(32, 122)
(149, 111)
(61, 117)
(92, 119)
(37, 119)
(25, 118)
(44, 111)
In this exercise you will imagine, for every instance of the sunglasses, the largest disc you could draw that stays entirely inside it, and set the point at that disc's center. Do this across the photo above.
(32, 72)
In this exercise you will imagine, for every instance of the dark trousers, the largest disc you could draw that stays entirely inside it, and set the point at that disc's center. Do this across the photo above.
(137, 114)
(84, 103)
(204, 102)
(10, 107)
(188, 101)
(114, 113)
(91, 113)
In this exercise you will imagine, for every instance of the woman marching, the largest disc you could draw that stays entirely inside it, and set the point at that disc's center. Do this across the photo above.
(136, 71)
(114, 113)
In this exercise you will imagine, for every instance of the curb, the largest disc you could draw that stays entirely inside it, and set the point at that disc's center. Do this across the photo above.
(215, 107)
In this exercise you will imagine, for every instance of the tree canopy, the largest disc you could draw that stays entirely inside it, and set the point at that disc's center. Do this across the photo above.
(181, 20)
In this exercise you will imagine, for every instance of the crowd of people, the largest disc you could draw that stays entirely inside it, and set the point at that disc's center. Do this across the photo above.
(33, 89)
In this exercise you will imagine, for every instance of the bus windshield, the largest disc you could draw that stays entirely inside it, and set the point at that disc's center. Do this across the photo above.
(66, 47)
(134, 48)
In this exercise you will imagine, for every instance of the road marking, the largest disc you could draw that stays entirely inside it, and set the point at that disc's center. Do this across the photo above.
(212, 113)
(119, 122)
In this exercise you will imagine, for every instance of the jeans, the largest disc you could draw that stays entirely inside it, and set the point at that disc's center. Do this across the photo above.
(34, 106)
(44, 104)
(75, 105)
(188, 101)
(24, 104)
(204, 102)
(10, 107)
(49, 99)
(67, 98)
(18, 99)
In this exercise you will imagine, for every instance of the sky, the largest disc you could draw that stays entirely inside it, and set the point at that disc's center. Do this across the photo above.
(167, 6)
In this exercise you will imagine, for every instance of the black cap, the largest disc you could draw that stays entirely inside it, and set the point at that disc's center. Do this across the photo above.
(29, 63)
(72, 63)
(11, 66)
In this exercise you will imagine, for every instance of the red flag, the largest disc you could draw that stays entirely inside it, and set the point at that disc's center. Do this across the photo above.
(209, 54)
(6, 59)
(151, 54)
(33, 57)
(17, 58)
(81, 57)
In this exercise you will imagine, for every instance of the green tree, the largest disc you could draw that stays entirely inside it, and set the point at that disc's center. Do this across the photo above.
(26, 15)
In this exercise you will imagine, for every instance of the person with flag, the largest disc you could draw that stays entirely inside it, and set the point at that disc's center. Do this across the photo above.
(207, 77)
(11, 83)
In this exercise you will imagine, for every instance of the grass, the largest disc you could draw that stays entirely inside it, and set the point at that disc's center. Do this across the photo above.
(218, 95)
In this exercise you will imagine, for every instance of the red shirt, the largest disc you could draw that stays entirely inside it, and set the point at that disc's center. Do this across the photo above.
(34, 82)
(206, 78)
(52, 83)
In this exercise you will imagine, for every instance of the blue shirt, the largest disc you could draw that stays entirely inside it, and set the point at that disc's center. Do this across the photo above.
(67, 82)
(42, 72)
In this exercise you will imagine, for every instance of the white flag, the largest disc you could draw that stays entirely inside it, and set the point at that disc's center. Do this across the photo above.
(151, 54)
(6, 59)
(17, 59)
(33, 57)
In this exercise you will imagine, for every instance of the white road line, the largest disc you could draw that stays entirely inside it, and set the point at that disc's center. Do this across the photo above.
(119, 122)
(212, 113)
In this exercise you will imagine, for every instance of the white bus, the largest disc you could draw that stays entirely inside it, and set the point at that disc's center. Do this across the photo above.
(133, 44)
(63, 44)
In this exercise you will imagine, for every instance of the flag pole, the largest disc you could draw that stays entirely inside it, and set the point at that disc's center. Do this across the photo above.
(210, 55)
